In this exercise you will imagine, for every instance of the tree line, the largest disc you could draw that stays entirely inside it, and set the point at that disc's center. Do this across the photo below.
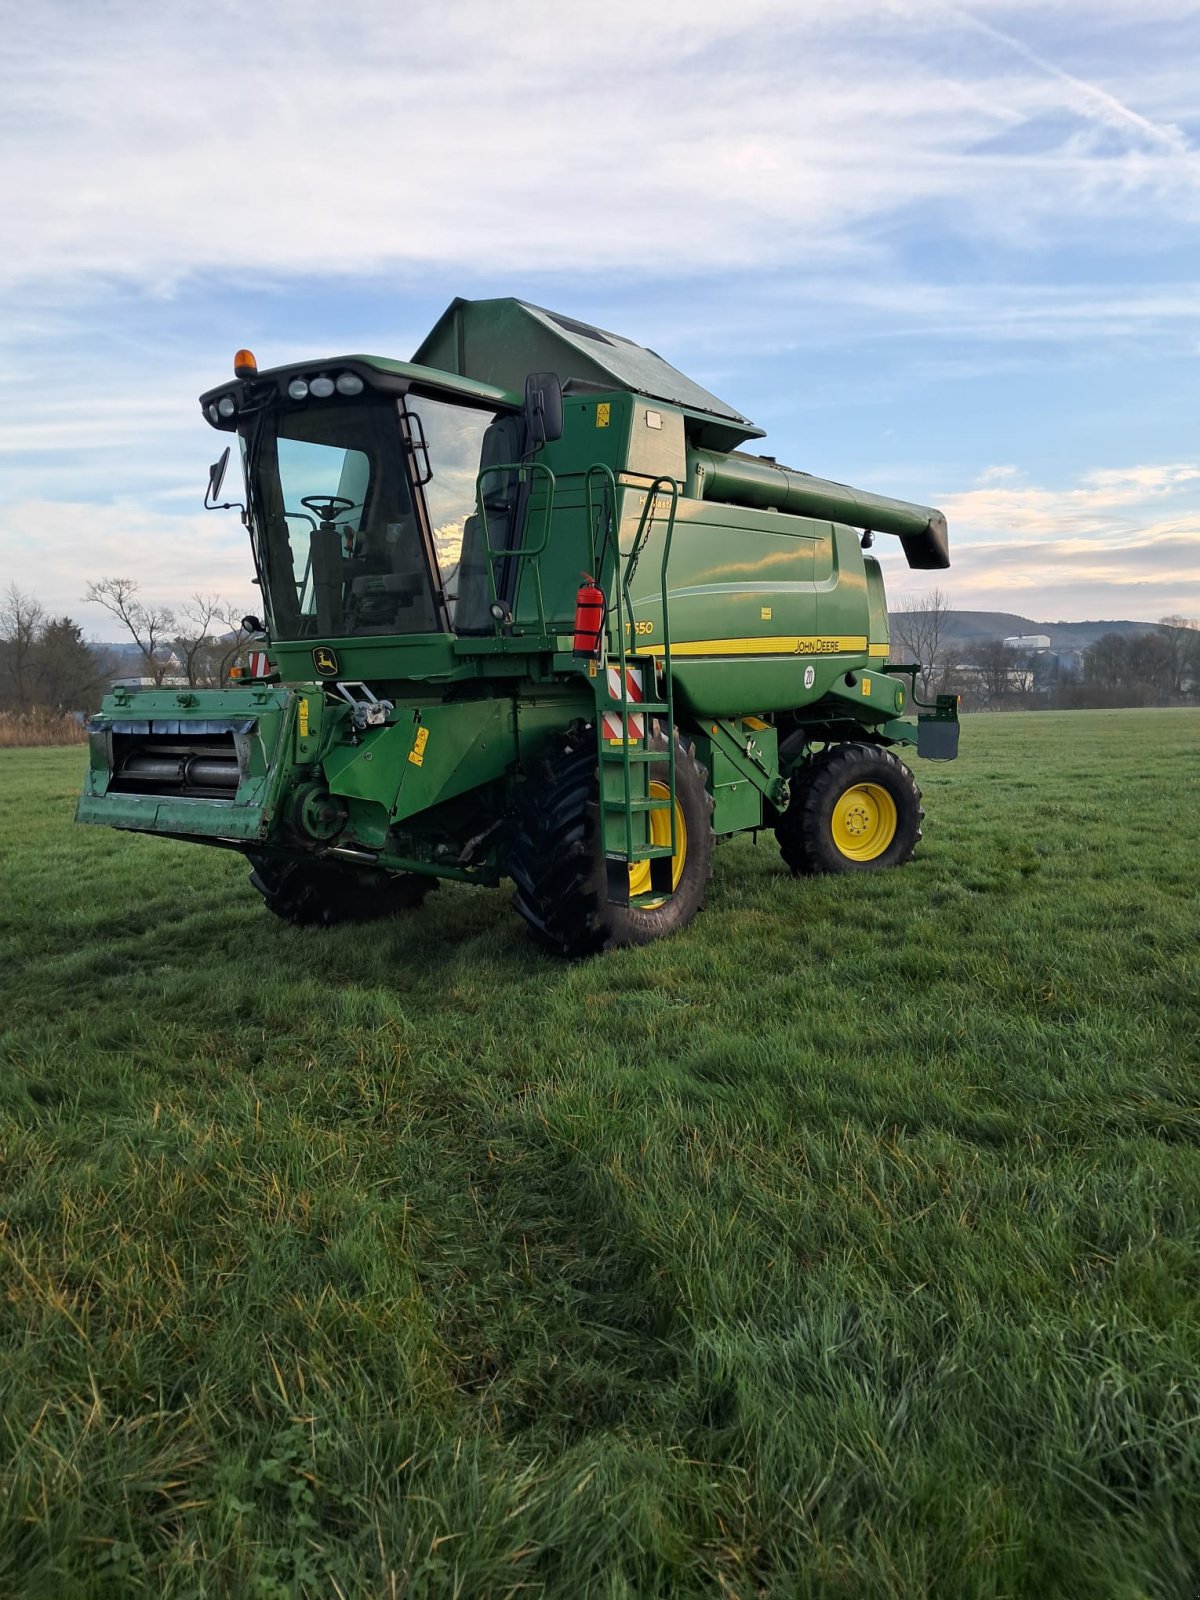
(1158, 667)
(47, 664)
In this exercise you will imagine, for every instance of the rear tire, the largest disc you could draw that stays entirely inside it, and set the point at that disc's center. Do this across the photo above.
(853, 808)
(320, 894)
(557, 864)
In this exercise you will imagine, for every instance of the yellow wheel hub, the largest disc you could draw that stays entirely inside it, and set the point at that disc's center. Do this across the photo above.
(660, 833)
(864, 821)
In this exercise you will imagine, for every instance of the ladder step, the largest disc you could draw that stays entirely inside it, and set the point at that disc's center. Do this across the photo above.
(646, 852)
(616, 752)
(637, 706)
(652, 897)
(654, 803)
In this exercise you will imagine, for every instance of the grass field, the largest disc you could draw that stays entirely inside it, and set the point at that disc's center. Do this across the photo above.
(846, 1245)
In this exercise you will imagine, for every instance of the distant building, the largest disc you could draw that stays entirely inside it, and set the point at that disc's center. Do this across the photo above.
(174, 676)
(1070, 663)
(171, 681)
(1028, 641)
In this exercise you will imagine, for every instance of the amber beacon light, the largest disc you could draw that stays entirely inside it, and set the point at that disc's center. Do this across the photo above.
(244, 364)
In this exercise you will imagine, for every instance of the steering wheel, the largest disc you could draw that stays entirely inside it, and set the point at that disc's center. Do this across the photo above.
(327, 506)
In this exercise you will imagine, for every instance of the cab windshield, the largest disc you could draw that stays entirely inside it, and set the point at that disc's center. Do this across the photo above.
(360, 507)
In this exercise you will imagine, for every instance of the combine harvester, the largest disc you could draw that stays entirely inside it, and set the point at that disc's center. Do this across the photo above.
(530, 613)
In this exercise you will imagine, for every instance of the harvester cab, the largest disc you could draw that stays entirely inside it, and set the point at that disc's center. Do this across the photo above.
(531, 613)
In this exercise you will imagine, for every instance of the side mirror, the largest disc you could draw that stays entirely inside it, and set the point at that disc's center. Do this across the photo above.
(543, 408)
(216, 477)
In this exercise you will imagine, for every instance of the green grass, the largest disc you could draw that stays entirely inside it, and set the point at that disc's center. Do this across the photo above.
(845, 1245)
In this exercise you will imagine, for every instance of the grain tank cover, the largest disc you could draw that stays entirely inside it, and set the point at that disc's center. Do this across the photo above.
(501, 341)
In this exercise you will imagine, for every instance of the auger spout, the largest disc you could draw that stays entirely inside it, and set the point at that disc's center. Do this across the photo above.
(747, 480)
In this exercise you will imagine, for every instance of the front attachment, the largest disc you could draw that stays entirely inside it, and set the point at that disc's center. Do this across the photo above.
(201, 764)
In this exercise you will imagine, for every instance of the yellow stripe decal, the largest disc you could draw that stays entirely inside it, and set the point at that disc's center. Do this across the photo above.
(788, 644)
(883, 650)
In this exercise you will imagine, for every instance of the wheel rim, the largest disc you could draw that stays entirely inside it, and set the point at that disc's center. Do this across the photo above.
(864, 821)
(660, 833)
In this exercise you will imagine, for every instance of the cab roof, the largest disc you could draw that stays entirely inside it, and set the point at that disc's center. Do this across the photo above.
(405, 372)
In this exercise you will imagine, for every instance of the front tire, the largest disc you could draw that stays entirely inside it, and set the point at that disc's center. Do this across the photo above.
(559, 869)
(321, 894)
(853, 808)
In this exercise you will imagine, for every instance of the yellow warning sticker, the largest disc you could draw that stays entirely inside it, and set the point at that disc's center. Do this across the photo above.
(866, 683)
(417, 754)
(603, 411)
(765, 613)
(302, 718)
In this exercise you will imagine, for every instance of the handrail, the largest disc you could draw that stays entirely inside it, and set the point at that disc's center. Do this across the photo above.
(525, 472)
(911, 671)
(667, 670)
(606, 472)
(665, 485)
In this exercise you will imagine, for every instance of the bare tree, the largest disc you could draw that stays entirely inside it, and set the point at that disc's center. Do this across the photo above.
(921, 630)
(1136, 669)
(235, 619)
(996, 662)
(212, 636)
(193, 640)
(1106, 661)
(1181, 636)
(1151, 662)
(148, 626)
(21, 622)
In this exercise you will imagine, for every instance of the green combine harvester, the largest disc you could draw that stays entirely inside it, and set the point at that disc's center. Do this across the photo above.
(530, 613)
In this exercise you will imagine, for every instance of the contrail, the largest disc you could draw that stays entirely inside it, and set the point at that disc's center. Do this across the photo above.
(1099, 103)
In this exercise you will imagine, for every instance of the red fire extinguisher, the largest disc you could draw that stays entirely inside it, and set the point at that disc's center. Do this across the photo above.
(589, 618)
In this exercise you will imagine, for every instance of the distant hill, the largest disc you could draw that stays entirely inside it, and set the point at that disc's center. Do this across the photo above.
(124, 653)
(979, 626)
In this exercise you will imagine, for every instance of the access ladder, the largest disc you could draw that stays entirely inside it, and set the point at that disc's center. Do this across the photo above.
(635, 713)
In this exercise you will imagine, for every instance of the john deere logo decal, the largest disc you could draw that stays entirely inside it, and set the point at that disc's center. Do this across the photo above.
(325, 660)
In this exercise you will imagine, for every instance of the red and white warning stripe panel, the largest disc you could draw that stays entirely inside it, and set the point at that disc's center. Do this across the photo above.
(259, 664)
(612, 721)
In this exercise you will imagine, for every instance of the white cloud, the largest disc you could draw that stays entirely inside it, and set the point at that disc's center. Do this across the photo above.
(58, 547)
(1126, 483)
(1119, 542)
(363, 137)
(1104, 501)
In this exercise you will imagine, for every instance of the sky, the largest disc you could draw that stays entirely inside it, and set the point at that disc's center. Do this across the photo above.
(949, 253)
